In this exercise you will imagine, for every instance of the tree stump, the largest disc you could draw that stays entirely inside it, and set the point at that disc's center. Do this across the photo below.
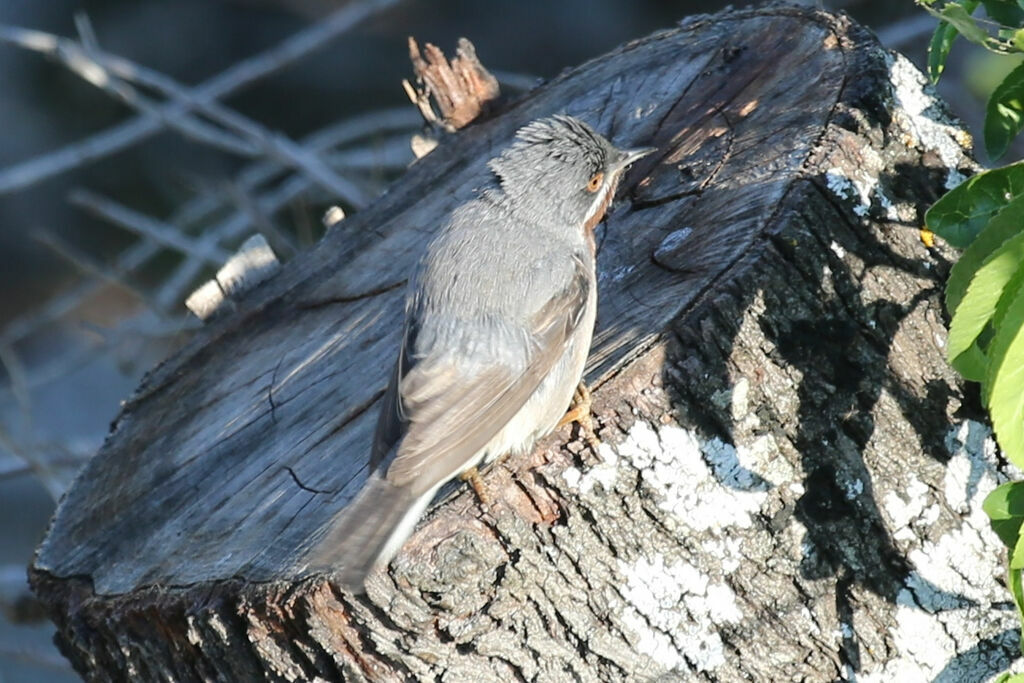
(790, 478)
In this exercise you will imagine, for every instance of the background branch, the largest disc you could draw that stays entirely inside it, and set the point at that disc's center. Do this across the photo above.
(234, 78)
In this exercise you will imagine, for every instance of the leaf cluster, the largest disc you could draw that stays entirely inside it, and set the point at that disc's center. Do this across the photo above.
(985, 297)
(1001, 31)
(985, 292)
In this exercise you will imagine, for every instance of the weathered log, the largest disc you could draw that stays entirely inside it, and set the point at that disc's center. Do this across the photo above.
(790, 481)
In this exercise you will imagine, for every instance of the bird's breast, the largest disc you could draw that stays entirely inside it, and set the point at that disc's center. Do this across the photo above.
(600, 208)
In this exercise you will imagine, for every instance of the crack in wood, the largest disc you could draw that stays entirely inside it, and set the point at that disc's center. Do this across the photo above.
(349, 298)
(298, 482)
(352, 415)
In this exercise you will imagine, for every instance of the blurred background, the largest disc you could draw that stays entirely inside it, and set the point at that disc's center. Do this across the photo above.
(110, 214)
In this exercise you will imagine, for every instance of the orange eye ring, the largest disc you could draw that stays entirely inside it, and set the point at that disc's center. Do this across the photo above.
(595, 182)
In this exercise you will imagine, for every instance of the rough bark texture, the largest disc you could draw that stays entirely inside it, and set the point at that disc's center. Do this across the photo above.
(790, 481)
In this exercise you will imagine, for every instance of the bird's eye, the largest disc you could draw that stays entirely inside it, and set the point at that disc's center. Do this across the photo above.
(595, 182)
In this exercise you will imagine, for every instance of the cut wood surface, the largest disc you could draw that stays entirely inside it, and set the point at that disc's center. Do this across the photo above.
(790, 481)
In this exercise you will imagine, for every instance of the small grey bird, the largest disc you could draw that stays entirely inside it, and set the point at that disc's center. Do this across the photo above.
(499, 318)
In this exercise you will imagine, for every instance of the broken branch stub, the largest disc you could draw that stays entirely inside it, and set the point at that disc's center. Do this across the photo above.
(461, 88)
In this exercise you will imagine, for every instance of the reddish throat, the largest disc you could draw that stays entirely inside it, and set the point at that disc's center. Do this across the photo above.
(598, 215)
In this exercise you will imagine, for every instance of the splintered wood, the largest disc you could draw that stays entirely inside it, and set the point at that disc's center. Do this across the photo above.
(461, 88)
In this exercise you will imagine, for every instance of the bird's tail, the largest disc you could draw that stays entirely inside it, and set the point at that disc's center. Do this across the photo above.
(369, 531)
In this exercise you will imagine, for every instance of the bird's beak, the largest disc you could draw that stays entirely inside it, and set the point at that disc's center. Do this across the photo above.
(628, 156)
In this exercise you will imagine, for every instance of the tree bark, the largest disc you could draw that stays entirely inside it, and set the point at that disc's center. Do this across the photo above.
(790, 478)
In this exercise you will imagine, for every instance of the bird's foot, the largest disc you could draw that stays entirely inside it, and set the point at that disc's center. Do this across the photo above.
(473, 478)
(580, 414)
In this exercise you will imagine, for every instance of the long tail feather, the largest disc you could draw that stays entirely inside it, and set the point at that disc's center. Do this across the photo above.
(369, 531)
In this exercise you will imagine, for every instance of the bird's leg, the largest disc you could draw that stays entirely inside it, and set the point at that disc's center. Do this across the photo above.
(472, 476)
(580, 414)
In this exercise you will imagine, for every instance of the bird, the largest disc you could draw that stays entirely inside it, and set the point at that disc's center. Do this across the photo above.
(499, 317)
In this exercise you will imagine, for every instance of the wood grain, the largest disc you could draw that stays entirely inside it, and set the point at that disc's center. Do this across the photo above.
(789, 167)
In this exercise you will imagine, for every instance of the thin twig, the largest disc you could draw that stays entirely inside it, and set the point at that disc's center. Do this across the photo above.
(61, 305)
(86, 33)
(399, 119)
(18, 380)
(284, 246)
(276, 146)
(82, 261)
(15, 466)
(205, 205)
(146, 226)
(92, 69)
(377, 122)
(243, 73)
(106, 71)
(172, 291)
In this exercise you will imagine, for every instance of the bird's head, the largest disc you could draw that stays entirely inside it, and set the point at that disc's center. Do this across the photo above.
(558, 170)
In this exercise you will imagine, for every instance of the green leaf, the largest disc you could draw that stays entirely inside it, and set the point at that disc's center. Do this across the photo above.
(964, 211)
(1006, 12)
(1004, 387)
(1009, 292)
(1017, 555)
(972, 364)
(1006, 501)
(1016, 586)
(961, 18)
(1018, 39)
(978, 306)
(1003, 225)
(1008, 530)
(938, 49)
(1004, 113)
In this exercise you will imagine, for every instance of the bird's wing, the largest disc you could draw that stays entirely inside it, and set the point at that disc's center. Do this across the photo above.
(448, 410)
(391, 423)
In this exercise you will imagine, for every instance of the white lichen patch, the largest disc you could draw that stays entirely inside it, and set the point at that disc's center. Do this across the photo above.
(915, 114)
(841, 186)
(906, 506)
(727, 550)
(605, 473)
(853, 489)
(678, 611)
(966, 561)
(707, 485)
(862, 189)
(704, 484)
(740, 403)
(737, 400)
(931, 651)
(771, 466)
(950, 603)
(973, 453)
